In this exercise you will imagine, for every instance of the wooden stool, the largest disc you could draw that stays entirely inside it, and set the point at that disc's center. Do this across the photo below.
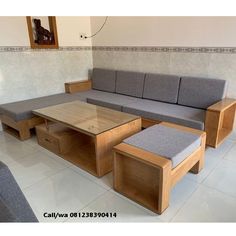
(148, 164)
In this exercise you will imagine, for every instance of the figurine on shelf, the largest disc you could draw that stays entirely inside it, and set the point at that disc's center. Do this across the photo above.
(42, 35)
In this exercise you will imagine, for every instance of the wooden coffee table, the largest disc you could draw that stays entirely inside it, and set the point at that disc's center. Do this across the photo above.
(85, 134)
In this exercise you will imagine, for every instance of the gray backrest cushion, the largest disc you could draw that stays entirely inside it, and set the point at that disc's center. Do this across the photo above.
(161, 87)
(104, 80)
(201, 92)
(130, 83)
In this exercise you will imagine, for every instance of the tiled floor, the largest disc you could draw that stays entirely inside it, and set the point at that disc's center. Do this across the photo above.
(51, 184)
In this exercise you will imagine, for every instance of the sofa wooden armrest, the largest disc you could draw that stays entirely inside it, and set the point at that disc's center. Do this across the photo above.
(219, 121)
(78, 86)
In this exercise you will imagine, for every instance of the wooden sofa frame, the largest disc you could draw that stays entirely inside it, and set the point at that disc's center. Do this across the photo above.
(218, 124)
(20, 129)
(151, 182)
(219, 119)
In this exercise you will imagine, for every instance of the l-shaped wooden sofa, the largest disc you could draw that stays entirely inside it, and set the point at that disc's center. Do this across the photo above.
(198, 103)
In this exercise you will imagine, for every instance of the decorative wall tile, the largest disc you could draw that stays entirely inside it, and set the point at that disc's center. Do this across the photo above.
(166, 49)
(133, 61)
(30, 74)
(28, 49)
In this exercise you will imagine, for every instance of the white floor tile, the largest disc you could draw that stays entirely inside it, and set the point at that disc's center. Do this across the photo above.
(232, 136)
(5, 137)
(221, 150)
(64, 192)
(34, 168)
(106, 181)
(208, 205)
(231, 155)
(111, 203)
(223, 178)
(55, 157)
(213, 156)
(13, 150)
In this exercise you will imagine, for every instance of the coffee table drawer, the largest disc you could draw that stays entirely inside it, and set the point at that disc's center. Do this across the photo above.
(48, 141)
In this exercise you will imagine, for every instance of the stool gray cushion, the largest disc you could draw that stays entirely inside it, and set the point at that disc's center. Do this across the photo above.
(130, 83)
(182, 115)
(201, 92)
(161, 87)
(13, 204)
(171, 143)
(104, 80)
(23, 109)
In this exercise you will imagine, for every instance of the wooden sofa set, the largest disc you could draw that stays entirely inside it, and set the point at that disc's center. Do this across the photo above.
(198, 103)
(181, 114)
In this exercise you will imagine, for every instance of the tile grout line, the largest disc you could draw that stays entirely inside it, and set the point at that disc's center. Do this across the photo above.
(222, 158)
(205, 185)
(185, 202)
(202, 184)
(217, 164)
(87, 177)
(146, 210)
(47, 177)
(101, 195)
(220, 191)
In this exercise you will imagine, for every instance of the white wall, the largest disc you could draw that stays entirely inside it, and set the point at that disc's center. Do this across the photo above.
(165, 31)
(69, 29)
(14, 31)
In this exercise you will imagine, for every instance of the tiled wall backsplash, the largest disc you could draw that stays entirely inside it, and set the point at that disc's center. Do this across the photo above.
(206, 62)
(27, 74)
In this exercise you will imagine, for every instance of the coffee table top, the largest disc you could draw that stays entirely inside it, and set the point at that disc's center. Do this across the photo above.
(84, 117)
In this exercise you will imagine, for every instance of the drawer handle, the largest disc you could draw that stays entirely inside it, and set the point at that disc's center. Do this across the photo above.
(47, 140)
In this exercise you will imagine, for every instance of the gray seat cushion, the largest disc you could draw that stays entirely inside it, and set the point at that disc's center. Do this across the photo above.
(171, 143)
(161, 87)
(23, 109)
(186, 116)
(104, 80)
(92, 93)
(130, 83)
(12, 201)
(111, 100)
(201, 92)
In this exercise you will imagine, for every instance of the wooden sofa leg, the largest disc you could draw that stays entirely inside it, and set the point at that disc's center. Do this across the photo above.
(164, 188)
(199, 165)
(24, 131)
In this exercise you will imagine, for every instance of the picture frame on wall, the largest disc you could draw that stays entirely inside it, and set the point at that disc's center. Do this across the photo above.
(42, 32)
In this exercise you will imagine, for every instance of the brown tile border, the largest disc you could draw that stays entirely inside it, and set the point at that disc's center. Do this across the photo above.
(226, 50)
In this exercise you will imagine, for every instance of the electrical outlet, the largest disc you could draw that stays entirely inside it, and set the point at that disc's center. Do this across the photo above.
(82, 36)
